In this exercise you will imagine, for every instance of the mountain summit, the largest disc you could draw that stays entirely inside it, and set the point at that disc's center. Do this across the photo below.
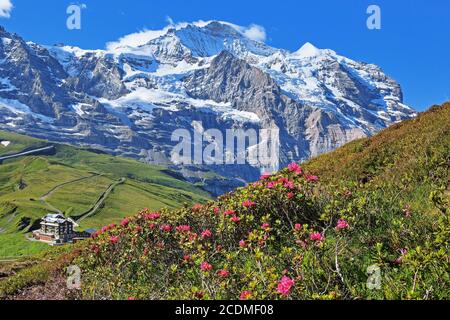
(130, 97)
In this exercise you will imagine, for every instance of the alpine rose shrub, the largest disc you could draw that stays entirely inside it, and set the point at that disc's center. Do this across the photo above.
(290, 235)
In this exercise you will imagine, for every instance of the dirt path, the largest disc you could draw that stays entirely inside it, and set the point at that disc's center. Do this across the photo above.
(56, 188)
(101, 200)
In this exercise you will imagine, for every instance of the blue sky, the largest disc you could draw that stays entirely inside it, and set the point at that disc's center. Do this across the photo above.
(412, 46)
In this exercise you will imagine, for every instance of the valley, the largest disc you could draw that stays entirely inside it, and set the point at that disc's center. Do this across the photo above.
(93, 188)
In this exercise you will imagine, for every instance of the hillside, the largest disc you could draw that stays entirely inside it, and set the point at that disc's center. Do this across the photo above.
(368, 221)
(88, 186)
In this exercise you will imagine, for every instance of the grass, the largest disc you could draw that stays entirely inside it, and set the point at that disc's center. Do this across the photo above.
(16, 245)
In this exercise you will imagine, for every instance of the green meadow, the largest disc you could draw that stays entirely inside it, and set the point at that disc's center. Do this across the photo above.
(73, 181)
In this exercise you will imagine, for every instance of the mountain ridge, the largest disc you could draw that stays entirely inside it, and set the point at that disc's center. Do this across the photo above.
(128, 99)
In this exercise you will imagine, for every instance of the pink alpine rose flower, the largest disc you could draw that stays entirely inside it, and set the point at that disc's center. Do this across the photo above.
(265, 226)
(248, 204)
(205, 266)
(223, 273)
(114, 239)
(289, 185)
(207, 234)
(265, 176)
(153, 216)
(294, 167)
(271, 185)
(125, 222)
(311, 178)
(285, 285)
(166, 227)
(229, 213)
(197, 207)
(342, 224)
(235, 219)
(298, 227)
(316, 236)
(245, 295)
(183, 228)
(242, 244)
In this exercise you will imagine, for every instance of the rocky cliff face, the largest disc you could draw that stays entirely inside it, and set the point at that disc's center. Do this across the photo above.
(130, 98)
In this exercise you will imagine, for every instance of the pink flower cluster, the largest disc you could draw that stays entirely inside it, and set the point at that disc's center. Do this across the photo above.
(289, 185)
(153, 216)
(166, 227)
(316, 236)
(342, 224)
(183, 228)
(205, 266)
(229, 213)
(235, 219)
(265, 226)
(294, 167)
(125, 222)
(107, 228)
(114, 239)
(197, 207)
(271, 185)
(248, 204)
(265, 176)
(223, 273)
(311, 178)
(207, 234)
(245, 295)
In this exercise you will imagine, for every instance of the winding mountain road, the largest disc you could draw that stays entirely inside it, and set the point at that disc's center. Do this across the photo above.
(100, 201)
(26, 153)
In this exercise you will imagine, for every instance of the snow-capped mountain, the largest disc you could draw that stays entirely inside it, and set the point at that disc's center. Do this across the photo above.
(130, 97)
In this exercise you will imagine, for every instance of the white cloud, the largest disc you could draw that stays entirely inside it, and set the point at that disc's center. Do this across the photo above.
(5, 8)
(255, 32)
(169, 20)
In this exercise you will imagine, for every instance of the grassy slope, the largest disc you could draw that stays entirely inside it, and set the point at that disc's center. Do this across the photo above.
(400, 161)
(391, 189)
(25, 180)
(19, 143)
